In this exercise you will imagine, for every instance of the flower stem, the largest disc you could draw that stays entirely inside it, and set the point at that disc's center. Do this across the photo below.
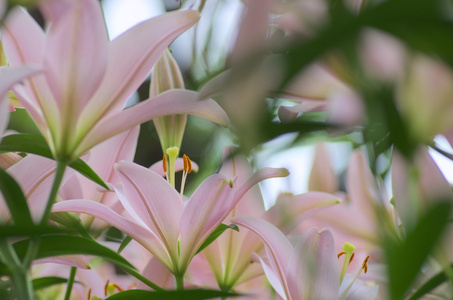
(179, 280)
(23, 287)
(70, 283)
(61, 166)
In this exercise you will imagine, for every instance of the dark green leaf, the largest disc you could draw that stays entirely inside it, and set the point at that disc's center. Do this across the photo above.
(44, 282)
(56, 245)
(4, 294)
(216, 233)
(196, 294)
(4, 270)
(405, 259)
(36, 144)
(21, 230)
(15, 199)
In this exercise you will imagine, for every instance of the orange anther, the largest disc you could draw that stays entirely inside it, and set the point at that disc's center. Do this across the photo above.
(352, 257)
(340, 254)
(89, 294)
(365, 264)
(164, 163)
(187, 163)
(106, 287)
(117, 287)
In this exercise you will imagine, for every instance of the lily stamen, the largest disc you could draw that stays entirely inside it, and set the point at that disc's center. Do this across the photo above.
(348, 251)
(187, 168)
(164, 163)
(365, 264)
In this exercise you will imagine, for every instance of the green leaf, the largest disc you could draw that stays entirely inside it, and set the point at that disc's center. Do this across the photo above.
(196, 294)
(429, 285)
(45, 282)
(216, 233)
(56, 245)
(36, 144)
(4, 270)
(405, 259)
(15, 199)
(7, 231)
(124, 243)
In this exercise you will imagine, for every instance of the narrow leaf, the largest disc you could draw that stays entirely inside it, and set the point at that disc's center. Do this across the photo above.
(124, 243)
(56, 245)
(15, 199)
(7, 231)
(196, 294)
(36, 144)
(405, 259)
(429, 285)
(216, 233)
(44, 282)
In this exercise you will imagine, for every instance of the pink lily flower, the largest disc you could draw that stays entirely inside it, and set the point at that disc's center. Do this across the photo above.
(158, 218)
(102, 159)
(309, 270)
(9, 76)
(230, 255)
(417, 184)
(79, 101)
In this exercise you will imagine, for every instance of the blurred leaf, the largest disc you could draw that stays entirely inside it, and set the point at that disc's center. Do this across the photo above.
(421, 24)
(385, 126)
(7, 231)
(216, 233)
(4, 294)
(196, 294)
(4, 270)
(429, 285)
(405, 259)
(44, 282)
(36, 144)
(15, 199)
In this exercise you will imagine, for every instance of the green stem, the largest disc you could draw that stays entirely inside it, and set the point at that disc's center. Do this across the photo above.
(23, 287)
(179, 280)
(32, 251)
(61, 166)
(70, 283)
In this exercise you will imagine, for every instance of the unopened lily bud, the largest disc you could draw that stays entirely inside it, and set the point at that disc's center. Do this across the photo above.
(165, 76)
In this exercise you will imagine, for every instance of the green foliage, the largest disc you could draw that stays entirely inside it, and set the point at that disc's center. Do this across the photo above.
(15, 199)
(45, 282)
(36, 144)
(216, 233)
(405, 258)
(196, 294)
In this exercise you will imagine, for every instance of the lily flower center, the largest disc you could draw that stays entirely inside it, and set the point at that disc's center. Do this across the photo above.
(169, 163)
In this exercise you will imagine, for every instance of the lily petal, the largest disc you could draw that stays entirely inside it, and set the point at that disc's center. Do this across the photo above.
(154, 200)
(313, 270)
(128, 66)
(206, 209)
(144, 236)
(172, 102)
(260, 175)
(76, 44)
(275, 242)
